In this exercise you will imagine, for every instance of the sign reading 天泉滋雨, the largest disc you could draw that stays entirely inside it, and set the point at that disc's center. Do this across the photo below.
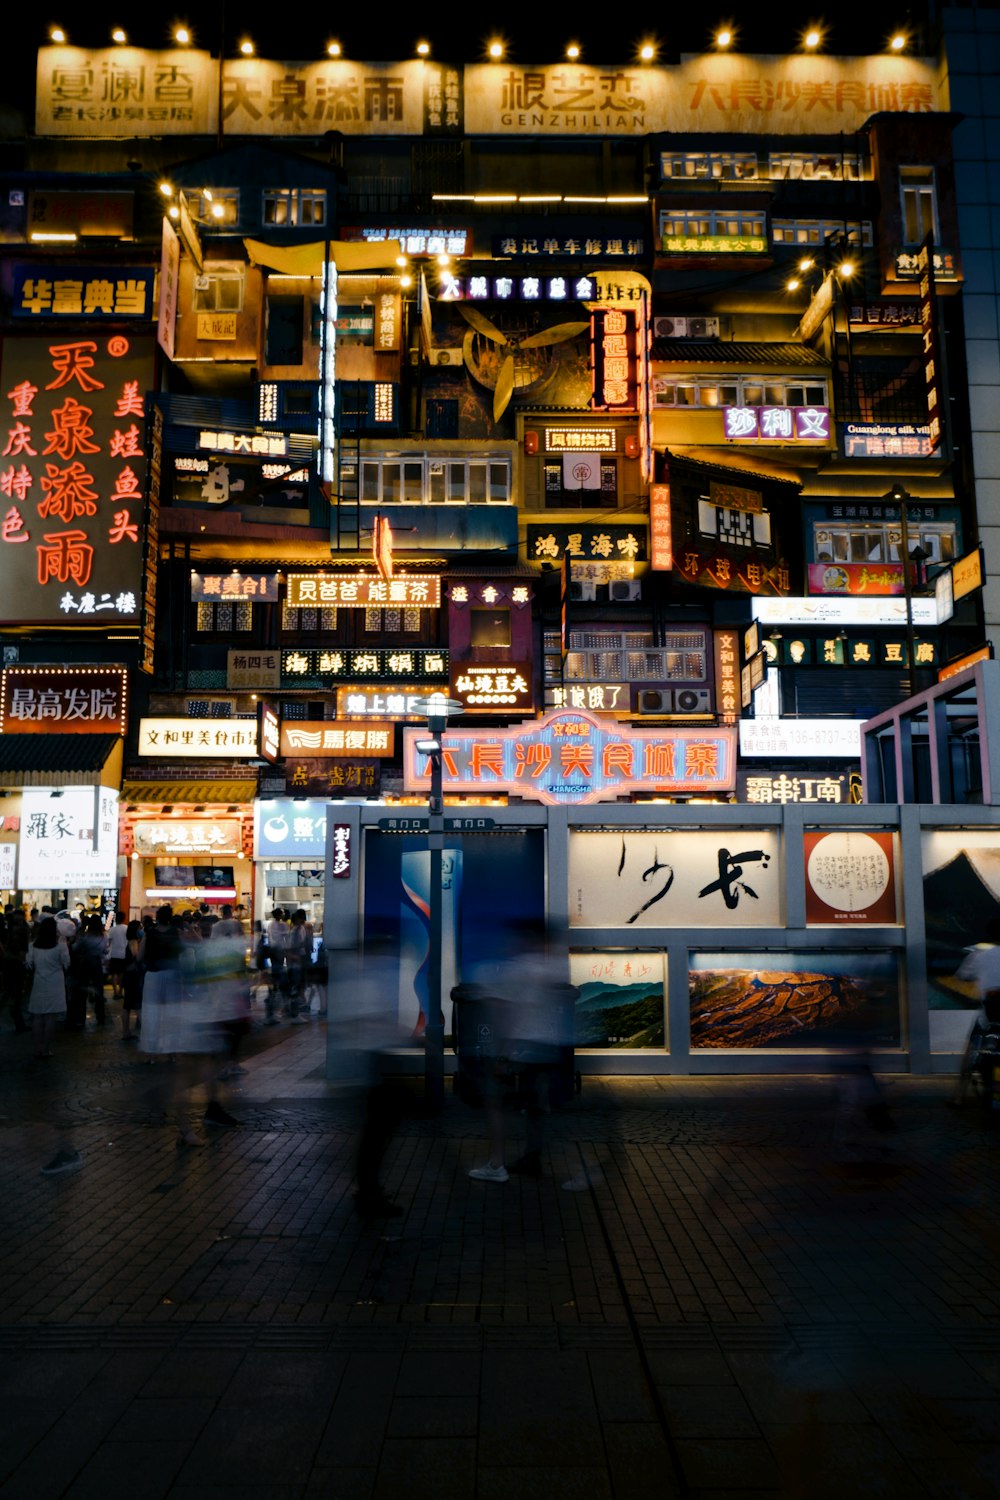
(73, 479)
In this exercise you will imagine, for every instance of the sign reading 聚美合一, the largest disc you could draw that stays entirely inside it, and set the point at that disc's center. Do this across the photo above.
(73, 479)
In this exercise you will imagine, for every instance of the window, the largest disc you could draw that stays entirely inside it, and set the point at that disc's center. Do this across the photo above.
(818, 231)
(393, 622)
(725, 164)
(629, 656)
(553, 474)
(744, 390)
(223, 618)
(290, 208)
(295, 619)
(419, 480)
(919, 204)
(283, 339)
(217, 208)
(219, 288)
(695, 224)
(489, 627)
(831, 167)
(739, 528)
(880, 542)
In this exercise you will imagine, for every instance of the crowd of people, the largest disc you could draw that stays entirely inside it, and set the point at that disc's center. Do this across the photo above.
(184, 981)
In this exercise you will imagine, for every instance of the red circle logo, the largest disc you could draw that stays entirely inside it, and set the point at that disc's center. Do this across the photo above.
(117, 346)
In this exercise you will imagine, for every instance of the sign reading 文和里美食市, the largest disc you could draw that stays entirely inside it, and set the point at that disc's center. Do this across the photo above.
(73, 479)
(176, 92)
(572, 757)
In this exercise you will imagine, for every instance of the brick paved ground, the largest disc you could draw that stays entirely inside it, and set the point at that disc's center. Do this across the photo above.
(757, 1294)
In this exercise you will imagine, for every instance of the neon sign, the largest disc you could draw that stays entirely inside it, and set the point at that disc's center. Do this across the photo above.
(72, 479)
(572, 757)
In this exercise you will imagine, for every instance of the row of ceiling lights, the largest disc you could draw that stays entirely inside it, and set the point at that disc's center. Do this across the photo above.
(810, 41)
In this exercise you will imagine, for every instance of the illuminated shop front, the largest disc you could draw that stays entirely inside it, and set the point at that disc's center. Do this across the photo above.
(185, 842)
(289, 850)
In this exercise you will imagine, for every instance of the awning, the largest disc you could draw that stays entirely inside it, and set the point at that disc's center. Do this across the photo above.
(173, 792)
(764, 356)
(307, 260)
(60, 759)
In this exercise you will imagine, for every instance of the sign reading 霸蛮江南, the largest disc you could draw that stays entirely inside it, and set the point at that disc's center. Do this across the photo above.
(67, 700)
(571, 756)
(73, 479)
(198, 738)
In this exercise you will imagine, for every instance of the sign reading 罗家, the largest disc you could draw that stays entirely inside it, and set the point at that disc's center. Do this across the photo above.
(364, 590)
(76, 291)
(69, 840)
(64, 700)
(572, 757)
(72, 479)
(199, 738)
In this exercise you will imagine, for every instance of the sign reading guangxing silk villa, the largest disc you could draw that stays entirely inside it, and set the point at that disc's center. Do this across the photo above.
(572, 757)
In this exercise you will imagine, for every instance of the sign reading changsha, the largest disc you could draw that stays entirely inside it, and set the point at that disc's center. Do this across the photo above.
(321, 738)
(361, 590)
(68, 700)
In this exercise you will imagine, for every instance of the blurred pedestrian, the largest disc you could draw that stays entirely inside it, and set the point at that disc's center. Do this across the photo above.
(48, 963)
(117, 940)
(131, 982)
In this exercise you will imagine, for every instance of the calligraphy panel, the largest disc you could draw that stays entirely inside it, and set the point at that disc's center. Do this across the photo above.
(675, 878)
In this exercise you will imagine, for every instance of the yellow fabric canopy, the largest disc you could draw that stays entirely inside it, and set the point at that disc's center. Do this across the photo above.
(307, 260)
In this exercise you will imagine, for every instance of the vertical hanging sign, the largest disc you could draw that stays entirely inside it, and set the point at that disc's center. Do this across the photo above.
(928, 329)
(614, 359)
(661, 553)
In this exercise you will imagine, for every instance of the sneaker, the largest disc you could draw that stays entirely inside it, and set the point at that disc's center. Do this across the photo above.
(216, 1115)
(489, 1173)
(61, 1163)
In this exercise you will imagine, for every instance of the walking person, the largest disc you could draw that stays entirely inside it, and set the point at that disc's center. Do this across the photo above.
(131, 979)
(48, 964)
(117, 940)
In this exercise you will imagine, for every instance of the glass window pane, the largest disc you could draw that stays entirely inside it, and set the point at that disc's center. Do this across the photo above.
(369, 481)
(391, 484)
(477, 484)
(437, 485)
(413, 483)
(498, 482)
(456, 482)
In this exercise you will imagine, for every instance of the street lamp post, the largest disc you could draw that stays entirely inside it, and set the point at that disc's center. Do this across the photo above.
(437, 710)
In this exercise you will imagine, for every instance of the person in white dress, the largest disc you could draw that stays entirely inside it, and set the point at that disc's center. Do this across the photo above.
(48, 961)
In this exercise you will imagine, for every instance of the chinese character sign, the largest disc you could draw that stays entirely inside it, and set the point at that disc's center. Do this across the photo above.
(70, 700)
(776, 424)
(675, 878)
(287, 828)
(72, 479)
(69, 838)
(198, 738)
(850, 877)
(320, 738)
(572, 757)
(614, 359)
(45, 291)
(364, 590)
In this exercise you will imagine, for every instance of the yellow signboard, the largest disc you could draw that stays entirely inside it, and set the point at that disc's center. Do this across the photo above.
(714, 244)
(967, 574)
(216, 325)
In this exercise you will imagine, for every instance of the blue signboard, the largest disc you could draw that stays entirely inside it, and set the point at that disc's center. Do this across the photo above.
(60, 290)
(289, 828)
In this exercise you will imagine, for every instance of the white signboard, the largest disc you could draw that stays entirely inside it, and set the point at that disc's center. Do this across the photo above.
(829, 610)
(826, 739)
(69, 838)
(198, 738)
(188, 836)
(675, 878)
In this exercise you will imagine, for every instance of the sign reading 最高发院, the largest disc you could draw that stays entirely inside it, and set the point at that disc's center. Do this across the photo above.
(67, 700)
(571, 756)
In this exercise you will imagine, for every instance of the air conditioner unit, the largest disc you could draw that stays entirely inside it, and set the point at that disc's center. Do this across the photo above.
(655, 701)
(582, 591)
(625, 592)
(670, 328)
(703, 328)
(446, 357)
(201, 283)
(692, 701)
